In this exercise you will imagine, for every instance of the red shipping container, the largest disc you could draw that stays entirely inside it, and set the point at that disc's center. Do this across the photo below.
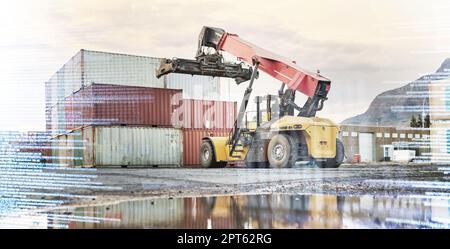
(103, 104)
(192, 140)
(204, 114)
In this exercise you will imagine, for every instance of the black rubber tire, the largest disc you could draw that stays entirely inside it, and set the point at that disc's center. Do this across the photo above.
(279, 151)
(208, 157)
(337, 160)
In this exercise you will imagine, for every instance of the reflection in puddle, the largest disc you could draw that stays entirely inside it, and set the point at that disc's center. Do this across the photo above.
(262, 211)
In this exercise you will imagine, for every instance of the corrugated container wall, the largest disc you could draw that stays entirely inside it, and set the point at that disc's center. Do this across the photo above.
(439, 92)
(204, 114)
(88, 67)
(154, 213)
(52, 120)
(120, 146)
(121, 69)
(192, 140)
(101, 104)
(195, 87)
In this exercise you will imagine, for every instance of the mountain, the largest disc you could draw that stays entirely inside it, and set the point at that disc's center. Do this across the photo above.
(395, 107)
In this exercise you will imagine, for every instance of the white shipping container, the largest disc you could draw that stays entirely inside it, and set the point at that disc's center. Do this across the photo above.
(70, 76)
(195, 87)
(88, 67)
(96, 146)
(226, 85)
(121, 69)
(51, 96)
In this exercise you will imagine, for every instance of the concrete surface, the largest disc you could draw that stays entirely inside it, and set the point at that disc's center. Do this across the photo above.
(390, 180)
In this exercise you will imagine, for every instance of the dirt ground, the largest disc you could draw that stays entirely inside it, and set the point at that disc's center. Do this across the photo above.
(381, 179)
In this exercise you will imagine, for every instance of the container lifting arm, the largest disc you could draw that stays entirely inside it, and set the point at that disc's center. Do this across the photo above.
(313, 85)
(276, 66)
(235, 134)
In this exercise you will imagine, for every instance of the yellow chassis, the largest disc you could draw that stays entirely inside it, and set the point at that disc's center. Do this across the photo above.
(320, 134)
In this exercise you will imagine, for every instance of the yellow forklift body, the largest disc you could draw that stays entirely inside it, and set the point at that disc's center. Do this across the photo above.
(222, 150)
(320, 135)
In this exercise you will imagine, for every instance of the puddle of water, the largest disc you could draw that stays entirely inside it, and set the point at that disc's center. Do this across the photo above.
(259, 211)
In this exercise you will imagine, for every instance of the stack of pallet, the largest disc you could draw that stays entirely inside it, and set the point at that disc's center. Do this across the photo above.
(107, 109)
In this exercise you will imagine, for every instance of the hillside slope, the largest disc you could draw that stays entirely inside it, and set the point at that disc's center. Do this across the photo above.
(395, 107)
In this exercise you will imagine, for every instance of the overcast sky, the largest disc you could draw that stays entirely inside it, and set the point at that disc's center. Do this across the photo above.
(364, 47)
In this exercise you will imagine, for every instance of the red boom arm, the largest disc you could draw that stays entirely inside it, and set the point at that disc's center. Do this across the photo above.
(278, 67)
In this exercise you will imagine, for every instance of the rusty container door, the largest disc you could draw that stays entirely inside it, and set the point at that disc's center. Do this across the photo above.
(103, 104)
(207, 114)
(192, 140)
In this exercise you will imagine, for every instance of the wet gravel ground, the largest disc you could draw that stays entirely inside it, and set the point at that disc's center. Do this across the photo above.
(381, 179)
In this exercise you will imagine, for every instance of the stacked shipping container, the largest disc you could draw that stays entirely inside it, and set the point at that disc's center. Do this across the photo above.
(88, 67)
(196, 118)
(202, 118)
(132, 96)
(93, 146)
(204, 114)
(104, 104)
